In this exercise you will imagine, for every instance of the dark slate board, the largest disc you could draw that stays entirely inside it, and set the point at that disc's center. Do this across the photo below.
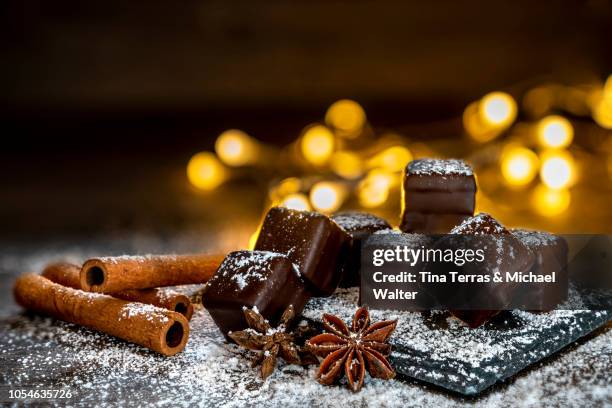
(437, 349)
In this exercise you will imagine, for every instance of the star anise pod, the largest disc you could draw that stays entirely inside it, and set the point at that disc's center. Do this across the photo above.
(363, 346)
(271, 342)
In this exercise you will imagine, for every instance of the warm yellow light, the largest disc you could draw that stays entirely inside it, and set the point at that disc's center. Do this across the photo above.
(558, 169)
(347, 165)
(296, 201)
(253, 239)
(498, 109)
(373, 190)
(608, 85)
(550, 202)
(539, 101)
(287, 186)
(602, 108)
(317, 144)
(326, 197)
(602, 113)
(236, 148)
(475, 127)
(392, 159)
(555, 131)
(346, 116)
(519, 165)
(478, 127)
(205, 171)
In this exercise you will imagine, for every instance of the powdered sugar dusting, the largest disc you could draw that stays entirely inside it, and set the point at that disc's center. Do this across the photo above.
(427, 167)
(353, 221)
(210, 372)
(149, 312)
(106, 372)
(481, 223)
(433, 346)
(247, 267)
(136, 258)
(388, 231)
(535, 238)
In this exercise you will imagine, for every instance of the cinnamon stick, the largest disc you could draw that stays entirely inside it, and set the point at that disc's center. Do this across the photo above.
(158, 329)
(68, 274)
(114, 274)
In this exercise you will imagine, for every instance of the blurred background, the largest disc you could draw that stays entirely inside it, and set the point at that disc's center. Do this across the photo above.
(188, 117)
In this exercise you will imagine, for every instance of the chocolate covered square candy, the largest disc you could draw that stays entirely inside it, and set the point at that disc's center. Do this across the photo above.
(312, 241)
(508, 255)
(437, 195)
(372, 257)
(359, 225)
(550, 256)
(265, 280)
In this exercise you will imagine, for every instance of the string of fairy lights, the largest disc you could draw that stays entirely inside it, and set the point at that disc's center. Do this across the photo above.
(342, 158)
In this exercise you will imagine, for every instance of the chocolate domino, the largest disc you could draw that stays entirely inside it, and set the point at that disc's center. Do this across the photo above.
(359, 225)
(550, 255)
(267, 281)
(437, 195)
(312, 241)
(510, 254)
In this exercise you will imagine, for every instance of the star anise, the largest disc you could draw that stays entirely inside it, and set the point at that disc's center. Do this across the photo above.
(272, 342)
(363, 346)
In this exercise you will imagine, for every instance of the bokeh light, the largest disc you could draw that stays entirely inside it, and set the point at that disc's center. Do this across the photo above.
(287, 186)
(297, 201)
(519, 165)
(347, 165)
(236, 148)
(602, 113)
(205, 171)
(392, 159)
(538, 101)
(602, 106)
(326, 197)
(555, 131)
(317, 144)
(373, 190)
(498, 109)
(346, 116)
(558, 169)
(550, 202)
(486, 119)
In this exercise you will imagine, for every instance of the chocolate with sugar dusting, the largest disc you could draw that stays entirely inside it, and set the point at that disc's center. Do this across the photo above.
(312, 241)
(550, 255)
(359, 225)
(509, 255)
(264, 280)
(393, 240)
(437, 195)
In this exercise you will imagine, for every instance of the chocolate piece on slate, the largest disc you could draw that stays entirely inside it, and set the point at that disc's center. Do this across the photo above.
(267, 281)
(390, 240)
(509, 255)
(437, 195)
(359, 225)
(313, 242)
(480, 224)
(550, 255)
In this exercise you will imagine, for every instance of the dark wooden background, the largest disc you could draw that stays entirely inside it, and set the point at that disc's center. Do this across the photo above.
(103, 102)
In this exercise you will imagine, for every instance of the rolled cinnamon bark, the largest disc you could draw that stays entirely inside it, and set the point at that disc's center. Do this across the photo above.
(68, 274)
(114, 274)
(158, 329)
